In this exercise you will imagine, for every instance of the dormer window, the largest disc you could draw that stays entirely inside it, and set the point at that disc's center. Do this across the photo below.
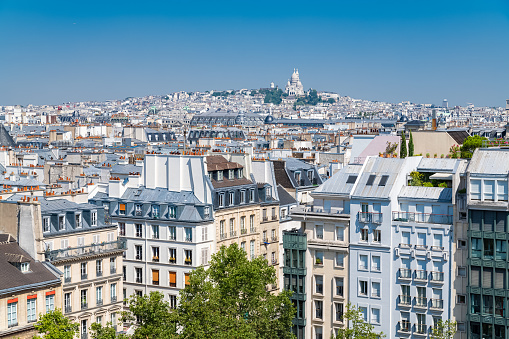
(219, 175)
(240, 173)
(155, 211)
(231, 200)
(297, 176)
(172, 212)
(61, 222)
(25, 267)
(206, 212)
(251, 195)
(310, 175)
(220, 199)
(121, 209)
(268, 193)
(138, 210)
(93, 220)
(78, 220)
(45, 224)
(231, 174)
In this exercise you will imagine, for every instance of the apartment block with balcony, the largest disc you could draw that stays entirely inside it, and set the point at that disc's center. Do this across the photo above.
(168, 234)
(326, 224)
(487, 201)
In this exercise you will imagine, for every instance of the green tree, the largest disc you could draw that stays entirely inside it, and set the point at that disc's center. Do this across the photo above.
(444, 330)
(151, 315)
(411, 145)
(402, 151)
(470, 144)
(230, 300)
(97, 331)
(358, 328)
(53, 325)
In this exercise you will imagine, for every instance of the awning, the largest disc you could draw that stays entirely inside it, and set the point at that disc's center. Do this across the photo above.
(441, 176)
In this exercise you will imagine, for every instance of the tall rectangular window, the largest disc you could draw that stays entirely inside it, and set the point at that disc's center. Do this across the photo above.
(94, 218)
(375, 263)
(50, 302)
(12, 314)
(173, 279)
(99, 295)
(252, 248)
(489, 190)
(45, 224)
(172, 233)
(61, 222)
(155, 231)
(121, 229)
(139, 230)
(475, 189)
(251, 223)
(113, 292)
(188, 233)
(501, 190)
(339, 286)
(31, 308)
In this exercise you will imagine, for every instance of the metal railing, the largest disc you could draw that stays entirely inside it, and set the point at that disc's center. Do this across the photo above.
(84, 276)
(68, 309)
(404, 326)
(318, 209)
(405, 273)
(84, 306)
(372, 217)
(405, 299)
(421, 328)
(243, 231)
(428, 218)
(99, 273)
(437, 304)
(233, 234)
(113, 298)
(421, 302)
(113, 270)
(223, 236)
(104, 247)
(99, 302)
(421, 275)
(253, 230)
(67, 279)
(437, 276)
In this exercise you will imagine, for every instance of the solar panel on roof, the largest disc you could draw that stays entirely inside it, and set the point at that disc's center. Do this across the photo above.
(371, 179)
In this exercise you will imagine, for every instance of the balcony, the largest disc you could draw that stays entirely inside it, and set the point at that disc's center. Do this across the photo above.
(421, 302)
(421, 275)
(12, 324)
(319, 210)
(155, 282)
(84, 276)
(155, 259)
(265, 219)
(437, 304)
(405, 300)
(67, 279)
(437, 277)
(84, 305)
(172, 237)
(243, 231)
(274, 239)
(404, 326)
(428, 218)
(223, 236)
(73, 252)
(421, 329)
(68, 309)
(98, 274)
(274, 217)
(139, 280)
(253, 230)
(188, 261)
(372, 217)
(172, 260)
(188, 239)
(405, 273)
(114, 299)
(233, 234)
(99, 302)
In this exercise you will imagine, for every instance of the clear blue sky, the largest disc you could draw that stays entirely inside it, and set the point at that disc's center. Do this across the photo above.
(423, 51)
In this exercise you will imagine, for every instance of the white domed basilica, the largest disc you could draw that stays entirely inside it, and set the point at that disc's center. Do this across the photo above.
(294, 86)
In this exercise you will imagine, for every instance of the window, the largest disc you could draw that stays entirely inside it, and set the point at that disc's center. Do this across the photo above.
(318, 257)
(461, 299)
(67, 302)
(99, 295)
(460, 327)
(155, 211)
(231, 198)
(437, 241)
(99, 267)
(94, 218)
(243, 197)
(319, 231)
(252, 248)
(375, 315)
(462, 271)
(173, 301)
(172, 233)
(188, 257)
(45, 224)
(240, 173)
(155, 231)
(138, 210)
(220, 199)
(489, 190)
(340, 258)
(383, 180)
(204, 233)
(251, 195)
(155, 277)
(375, 289)
(363, 288)
(251, 223)
(113, 292)
(351, 179)
(338, 311)
(67, 273)
(99, 319)
(83, 268)
(375, 263)
(318, 309)
(371, 179)
(232, 227)
(364, 312)
(364, 234)
(172, 255)
(318, 332)
(243, 245)
(377, 236)
(188, 231)
(206, 212)
(31, 308)
(121, 209)
(173, 279)
(186, 278)
(318, 284)
(363, 262)
(231, 174)
(50, 301)
(220, 175)
(61, 222)
(340, 233)
(462, 243)
(139, 252)
(25, 267)
(139, 275)
(339, 286)
(121, 229)
(475, 189)
(405, 239)
(139, 230)
(204, 256)
(501, 190)
(155, 254)
(172, 212)
(124, 273)
(84, 328)
(12, 314)
(297, 177)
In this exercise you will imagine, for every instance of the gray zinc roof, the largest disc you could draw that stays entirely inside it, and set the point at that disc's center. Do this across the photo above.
(491, 161)
(378, 167)
(438, 165)
(339, 183)
(440, 194)
(160, 195)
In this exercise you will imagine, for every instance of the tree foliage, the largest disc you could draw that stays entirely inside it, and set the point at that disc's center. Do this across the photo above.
(444, 330)
(272, 96)
(358, 328)
(470, 144)
(53, 325)
(411, 145)
(311, 99)
(403, 151)
(97, 331)
(151, 315)
(230, 300)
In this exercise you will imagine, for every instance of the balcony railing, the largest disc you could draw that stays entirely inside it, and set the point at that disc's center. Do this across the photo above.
(67, 279)
(405, 300)
(223, 236)
(404, 326)
(437, 276)
(274, 239)
(99, 302)
(319, 210)
(189, 239)
(84, 306)
(243, 231)
(428, 218)
(104, 247)
(84, 276)
(421, 275)
(437, 304)
(372, 217)
(405, 273)
(113, 298)
(253, 230)
(68, 309)
(274, 217)
(420, 328)
(113, 270)
(188, 262)
(421, 302)
(155, 259)
(99, 273)
(233, 234)
(265, 219)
